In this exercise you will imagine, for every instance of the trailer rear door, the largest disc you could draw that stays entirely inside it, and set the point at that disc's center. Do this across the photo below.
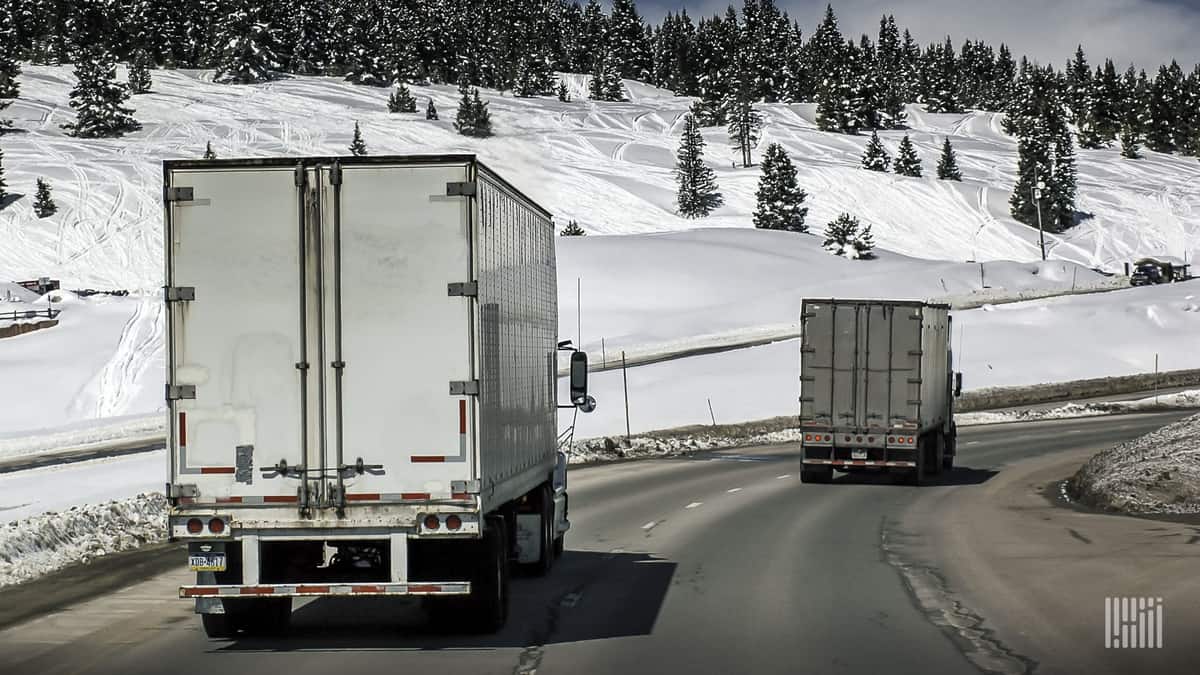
(233, 245)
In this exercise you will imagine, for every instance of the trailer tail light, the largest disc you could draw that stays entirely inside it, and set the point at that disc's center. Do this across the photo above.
(195, 526)
(453, 522)
(432, 522)
(828, 438)
(216, 526)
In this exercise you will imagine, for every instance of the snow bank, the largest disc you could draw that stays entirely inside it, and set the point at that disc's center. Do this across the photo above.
(1156, 474)
(51, 541)
(82, 435)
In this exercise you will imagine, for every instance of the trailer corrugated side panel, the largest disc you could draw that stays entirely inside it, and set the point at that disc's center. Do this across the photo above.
(518, 324)
(935, 377)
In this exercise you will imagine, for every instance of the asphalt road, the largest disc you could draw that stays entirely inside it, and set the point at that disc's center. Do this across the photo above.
(720, 563)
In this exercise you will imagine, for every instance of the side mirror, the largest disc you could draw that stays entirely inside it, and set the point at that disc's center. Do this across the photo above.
(579, 378)
(957, 385)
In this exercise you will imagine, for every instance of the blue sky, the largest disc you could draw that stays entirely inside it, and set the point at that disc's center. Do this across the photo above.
(1148, 32)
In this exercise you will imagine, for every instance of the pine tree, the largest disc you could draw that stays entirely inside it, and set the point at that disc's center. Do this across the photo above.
(248, 54)
(745, 126)
(401, 100)
(431, 111)
(563, 95)
(780, 199)
(98, 99)
(483, 118)
(1165, 96)
(1130, 143)
(1045, 153)
(1079, 86)
(698, 195)
(139, 73)
(464, 119)
(43, 203)
(572, 230)
(208, 151)
(907, 162)
(947, 168)
(1106, 103)
(533, 77)
(358, 147)
(876, 157)
(10, 67)
(843, 237)
(864, 243)
(627, 43)
(605, 84)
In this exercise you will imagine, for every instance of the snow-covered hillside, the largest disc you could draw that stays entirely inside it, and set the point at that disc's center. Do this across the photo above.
(606, 165)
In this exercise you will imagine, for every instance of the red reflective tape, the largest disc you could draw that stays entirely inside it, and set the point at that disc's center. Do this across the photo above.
(229, 500)
(183, 430)
(460, 495)
(216, 469)
(363, 497)
(187, 500)
(427, 459)
(312, 589)
(414, 495)
(280, 498)
(462, 416)
(367, 589)
(188, 592)
(256, 590)
(424, 588)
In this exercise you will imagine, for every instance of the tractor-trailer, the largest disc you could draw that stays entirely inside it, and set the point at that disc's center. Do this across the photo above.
(361, 385)
(877, 388)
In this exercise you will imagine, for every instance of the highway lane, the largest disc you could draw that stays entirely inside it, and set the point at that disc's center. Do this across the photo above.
(719, 563)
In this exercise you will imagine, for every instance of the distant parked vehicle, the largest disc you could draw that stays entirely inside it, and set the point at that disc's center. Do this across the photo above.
(1161, 270)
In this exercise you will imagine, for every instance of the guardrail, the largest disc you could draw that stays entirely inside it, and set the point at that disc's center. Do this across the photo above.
(17, 315)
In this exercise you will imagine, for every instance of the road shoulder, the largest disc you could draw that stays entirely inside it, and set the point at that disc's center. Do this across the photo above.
(1037, 573)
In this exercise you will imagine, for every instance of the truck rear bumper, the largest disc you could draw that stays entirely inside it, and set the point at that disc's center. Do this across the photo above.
(858, 462)
(320, 590)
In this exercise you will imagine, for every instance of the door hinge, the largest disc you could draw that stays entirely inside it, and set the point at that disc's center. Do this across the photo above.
(335, 174)
(470, 487)
(178, 194)
(300, 177)
(180, 293)
(464, 388)
(176, 392)
(461, 189)
(466, 289)
(182, 490)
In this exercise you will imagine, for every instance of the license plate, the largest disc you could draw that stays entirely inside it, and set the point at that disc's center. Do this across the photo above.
(858, 454)
(207, 562)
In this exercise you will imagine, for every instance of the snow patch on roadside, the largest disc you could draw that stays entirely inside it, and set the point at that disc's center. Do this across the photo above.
(684, 441)
(1158, 473)
(1182, 400)
(83, 435)
(51, 541)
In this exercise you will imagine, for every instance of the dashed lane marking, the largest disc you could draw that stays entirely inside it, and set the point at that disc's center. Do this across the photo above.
(732, 490)
(693, 505)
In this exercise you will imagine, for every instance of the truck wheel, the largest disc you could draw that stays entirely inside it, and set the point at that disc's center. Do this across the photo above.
(947, 462)
(218, 626)
(489, 584)
(560, 545)
(818, 475)
(542, 567)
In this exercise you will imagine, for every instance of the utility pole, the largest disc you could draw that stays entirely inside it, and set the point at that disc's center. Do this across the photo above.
(1037, 201)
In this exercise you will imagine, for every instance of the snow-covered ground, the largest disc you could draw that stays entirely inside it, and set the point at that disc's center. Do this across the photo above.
(1180, 400)
(607, 165)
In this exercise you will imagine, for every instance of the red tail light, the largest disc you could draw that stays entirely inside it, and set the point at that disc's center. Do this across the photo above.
(432, 522)
(195, 526)
(216, 526)
(453, 523)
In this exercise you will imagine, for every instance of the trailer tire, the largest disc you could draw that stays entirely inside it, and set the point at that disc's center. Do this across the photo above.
(546, 506)
(560, 545)
(218, 626)
(819, 475)
(488, 601)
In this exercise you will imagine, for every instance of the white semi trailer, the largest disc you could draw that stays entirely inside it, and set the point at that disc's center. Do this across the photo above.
(877, 388)
(362, 385)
